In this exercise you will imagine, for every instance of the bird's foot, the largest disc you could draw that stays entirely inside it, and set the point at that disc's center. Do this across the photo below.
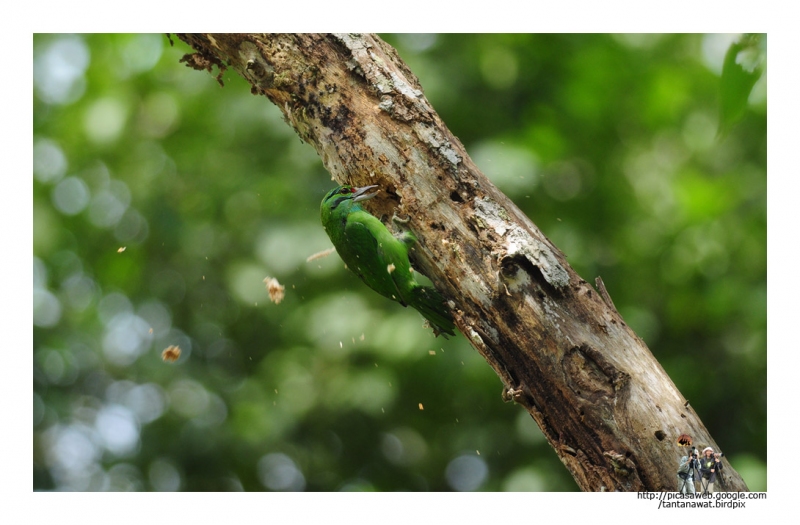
(517, 395)
(398, 220)
(402, 233)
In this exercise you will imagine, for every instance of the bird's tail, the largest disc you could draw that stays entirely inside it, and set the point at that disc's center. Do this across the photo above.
(430, 303)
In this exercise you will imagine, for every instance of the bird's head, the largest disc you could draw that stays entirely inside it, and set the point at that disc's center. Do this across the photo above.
(343, 198)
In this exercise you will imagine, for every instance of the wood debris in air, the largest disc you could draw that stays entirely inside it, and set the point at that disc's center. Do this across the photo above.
(171, 354)
(275, 289)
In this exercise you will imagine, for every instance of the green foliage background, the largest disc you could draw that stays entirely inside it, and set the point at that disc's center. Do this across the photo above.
(608, 142)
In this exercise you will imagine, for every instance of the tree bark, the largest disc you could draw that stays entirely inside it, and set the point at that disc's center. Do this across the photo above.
(561, 349)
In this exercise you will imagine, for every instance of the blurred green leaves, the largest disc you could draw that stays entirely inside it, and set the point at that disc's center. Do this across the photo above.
(744, 64)
(161, 201)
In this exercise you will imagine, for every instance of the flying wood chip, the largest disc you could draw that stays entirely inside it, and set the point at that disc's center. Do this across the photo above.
(275, 289)
(171, 354)
(320, 255)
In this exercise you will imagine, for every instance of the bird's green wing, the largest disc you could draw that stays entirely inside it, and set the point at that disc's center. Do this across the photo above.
(377, 257)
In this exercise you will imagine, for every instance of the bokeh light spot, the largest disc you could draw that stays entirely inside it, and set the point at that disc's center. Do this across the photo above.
(58, 69)
(188, 398)
(278, 472)
(525, 480)
(404, 446)
(142, 52)
(513, 168)
(127, 337)
(104, 120)
(49, 161)
(118, 429)
(499, 67)
(109, 205)
(164, 476)
(70, 196)
(46, 308)
(466, 473)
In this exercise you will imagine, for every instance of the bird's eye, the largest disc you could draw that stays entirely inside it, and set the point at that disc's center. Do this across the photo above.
(346, 190)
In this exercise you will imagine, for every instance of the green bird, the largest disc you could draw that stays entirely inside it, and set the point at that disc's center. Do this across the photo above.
(379, 258)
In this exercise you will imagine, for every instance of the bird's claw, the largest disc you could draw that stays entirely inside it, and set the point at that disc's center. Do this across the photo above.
(398, 220)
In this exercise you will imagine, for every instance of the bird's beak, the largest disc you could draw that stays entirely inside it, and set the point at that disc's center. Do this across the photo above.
(361, 193)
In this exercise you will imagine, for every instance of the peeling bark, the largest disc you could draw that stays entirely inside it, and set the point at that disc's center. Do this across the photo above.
(563, 352)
